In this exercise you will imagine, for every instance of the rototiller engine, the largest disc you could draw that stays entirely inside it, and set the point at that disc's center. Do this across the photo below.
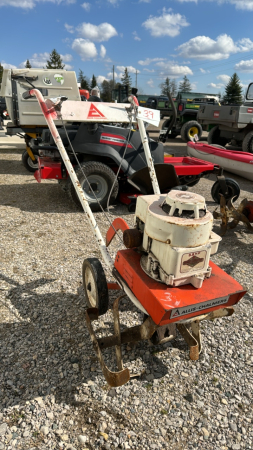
(177, 238)
(165, 269)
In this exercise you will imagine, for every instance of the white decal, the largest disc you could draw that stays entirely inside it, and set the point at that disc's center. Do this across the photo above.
(149, 115)
(178, 312)
(59, 78)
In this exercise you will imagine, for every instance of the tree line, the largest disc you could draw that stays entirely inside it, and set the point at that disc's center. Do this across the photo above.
(233, 93)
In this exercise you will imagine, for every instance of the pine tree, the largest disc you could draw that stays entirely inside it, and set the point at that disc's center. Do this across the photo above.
(126, 79)
(83, 81)
(55, 61)
(93, 82)
(185, 85)
(165, 87)
(28, 64)
(233, 91)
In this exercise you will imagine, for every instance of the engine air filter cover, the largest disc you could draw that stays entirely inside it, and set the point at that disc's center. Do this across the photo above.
(183, 202)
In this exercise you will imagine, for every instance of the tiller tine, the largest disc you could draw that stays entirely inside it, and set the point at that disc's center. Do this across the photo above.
(134, 334)
(189, 330)
(114, 379)
(228, 211)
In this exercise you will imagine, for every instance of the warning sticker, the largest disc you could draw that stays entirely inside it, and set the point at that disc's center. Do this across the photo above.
(94, 113)
(178, 312)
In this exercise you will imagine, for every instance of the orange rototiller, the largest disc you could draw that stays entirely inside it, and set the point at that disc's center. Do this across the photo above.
(165, 267)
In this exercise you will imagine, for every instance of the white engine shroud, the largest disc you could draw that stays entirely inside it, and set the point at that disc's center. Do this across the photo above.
(177, 237)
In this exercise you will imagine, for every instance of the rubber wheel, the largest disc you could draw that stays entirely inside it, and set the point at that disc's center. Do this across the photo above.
(101, 179)
(189, 180)
(214, 137)
(95, 285)
(247, 143)
(189, 129)
(233, 190)
(28, 162)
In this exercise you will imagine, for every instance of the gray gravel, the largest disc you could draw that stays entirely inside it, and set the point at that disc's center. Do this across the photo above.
(52, 392)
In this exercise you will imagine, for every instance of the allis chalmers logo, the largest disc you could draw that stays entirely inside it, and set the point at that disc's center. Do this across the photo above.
(193, 261)
(94, 113)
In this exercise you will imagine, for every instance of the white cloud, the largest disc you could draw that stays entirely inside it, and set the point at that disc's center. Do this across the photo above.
(130, 69)
(97, 33)
(239, 4)
(244, 66)
(7, 66)
(150, 83)
(69, 28)
(204, 71)
(100, 79)
(102, 51)
(216, 85)
(224, 81)
(174, 70)
(223, 78)
(203, 47)
(84, 48)
(168, 24)
(148, 70)
(86, 6)
(136, 37)
(148, 61)
(29, 4)
(39, 60)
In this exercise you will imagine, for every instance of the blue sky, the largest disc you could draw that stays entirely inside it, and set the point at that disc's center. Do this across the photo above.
(207, 40)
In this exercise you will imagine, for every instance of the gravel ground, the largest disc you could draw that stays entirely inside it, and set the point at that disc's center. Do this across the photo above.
(52, 392)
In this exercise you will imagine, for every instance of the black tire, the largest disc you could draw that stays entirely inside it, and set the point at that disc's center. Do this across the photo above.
(95, 285)
(28, 162)
(101, 178)
(233, 190)
(247, 143)
(214, 137)
(189, 129)
(189, 180)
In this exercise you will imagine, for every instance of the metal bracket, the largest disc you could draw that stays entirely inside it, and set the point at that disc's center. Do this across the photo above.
(189, 329)
(228, 211)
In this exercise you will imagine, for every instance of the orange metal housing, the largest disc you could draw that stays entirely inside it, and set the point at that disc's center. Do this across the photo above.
(166, 304)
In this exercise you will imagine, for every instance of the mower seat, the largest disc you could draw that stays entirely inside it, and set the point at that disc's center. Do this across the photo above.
(166, 176)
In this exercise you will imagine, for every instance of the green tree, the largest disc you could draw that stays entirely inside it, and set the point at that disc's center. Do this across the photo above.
(83, 81)
(185, 85)
(93, 82)
(126, 79)
(1, 73)
(233, 91)
(169, 86)
(165, 87)
(55, 61)
(106, 90)
(28, 64)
